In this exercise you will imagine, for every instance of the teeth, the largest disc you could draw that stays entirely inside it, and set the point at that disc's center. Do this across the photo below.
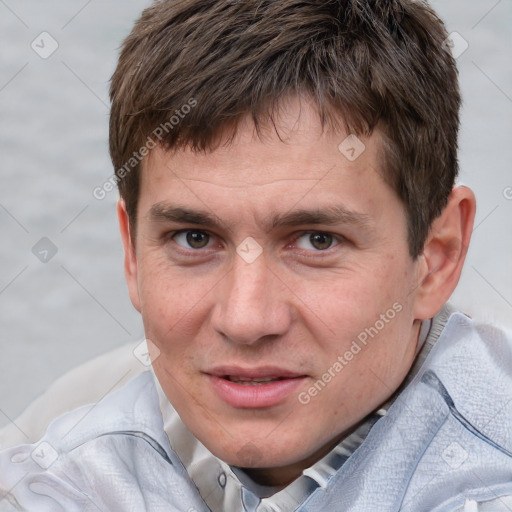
(247, 381)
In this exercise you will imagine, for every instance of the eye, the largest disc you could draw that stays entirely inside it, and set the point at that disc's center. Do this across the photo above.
(318, 241)
(192, 239)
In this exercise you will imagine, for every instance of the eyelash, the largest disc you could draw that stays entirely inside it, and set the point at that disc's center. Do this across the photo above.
(337, 241)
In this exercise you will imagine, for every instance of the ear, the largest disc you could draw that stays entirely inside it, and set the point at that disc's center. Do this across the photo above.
(130, 257)
(442, 259)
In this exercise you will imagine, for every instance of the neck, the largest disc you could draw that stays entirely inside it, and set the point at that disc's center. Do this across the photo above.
(281, 477)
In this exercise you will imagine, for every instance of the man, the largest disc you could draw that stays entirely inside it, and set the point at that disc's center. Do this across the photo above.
(292, 234)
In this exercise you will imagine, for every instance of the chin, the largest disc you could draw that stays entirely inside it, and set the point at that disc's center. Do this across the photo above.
(257, 454)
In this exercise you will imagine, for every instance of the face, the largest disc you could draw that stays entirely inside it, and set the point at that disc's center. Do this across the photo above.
(274, 278)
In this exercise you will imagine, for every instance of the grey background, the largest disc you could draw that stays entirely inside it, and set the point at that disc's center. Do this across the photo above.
(53, 152)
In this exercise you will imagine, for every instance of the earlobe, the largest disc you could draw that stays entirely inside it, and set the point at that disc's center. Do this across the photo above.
(440, 264)
(130, 257)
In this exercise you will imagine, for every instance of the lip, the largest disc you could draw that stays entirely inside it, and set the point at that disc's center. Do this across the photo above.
(255, 396)
(253, 373)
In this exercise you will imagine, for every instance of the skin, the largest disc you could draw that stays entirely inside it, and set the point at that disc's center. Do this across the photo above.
(301, 303)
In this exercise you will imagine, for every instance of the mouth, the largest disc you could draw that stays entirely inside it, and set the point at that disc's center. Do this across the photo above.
(247, 381)
(254, 388)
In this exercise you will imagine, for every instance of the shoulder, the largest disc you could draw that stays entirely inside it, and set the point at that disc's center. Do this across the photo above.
(473, 361)
(466, 381)
(133, 407)
(114, 452)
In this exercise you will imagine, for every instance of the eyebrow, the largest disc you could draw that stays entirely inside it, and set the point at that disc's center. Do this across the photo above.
(331, 215)
(162, 212)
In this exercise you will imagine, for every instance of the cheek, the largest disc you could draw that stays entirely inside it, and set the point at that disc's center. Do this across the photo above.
(351, 303)
(174, 314)
(362, 366)
(368, 315)
(165, 289)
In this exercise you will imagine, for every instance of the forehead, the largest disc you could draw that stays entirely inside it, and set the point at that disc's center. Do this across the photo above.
(294, 146)
(292, 164)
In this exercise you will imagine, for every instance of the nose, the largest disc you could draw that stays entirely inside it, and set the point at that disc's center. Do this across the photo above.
(252, 304)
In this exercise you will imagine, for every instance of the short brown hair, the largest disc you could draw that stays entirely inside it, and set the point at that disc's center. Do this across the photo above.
(364, 63)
